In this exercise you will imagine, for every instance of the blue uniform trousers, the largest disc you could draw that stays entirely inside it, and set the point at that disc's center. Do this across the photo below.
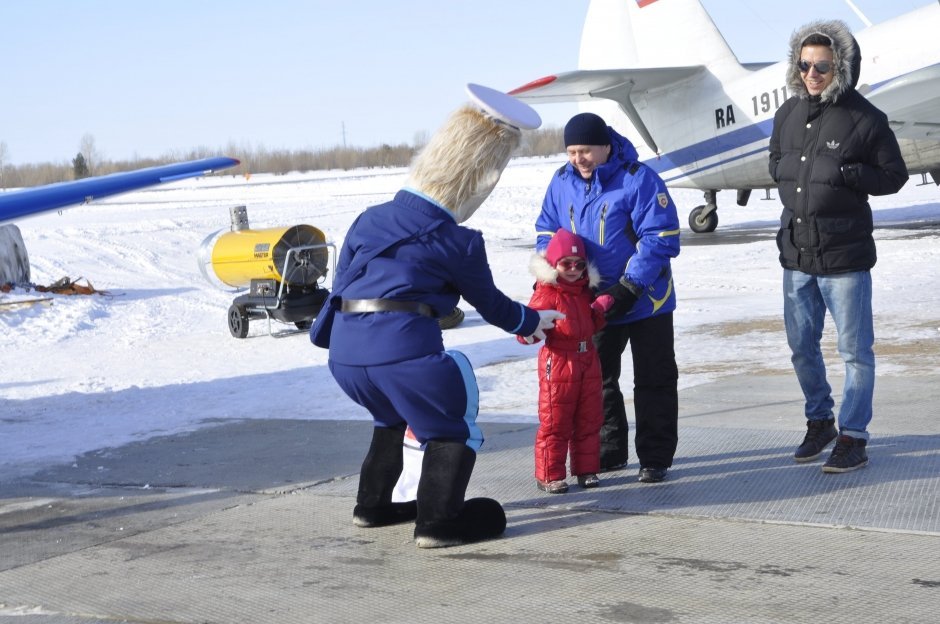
(436, 395)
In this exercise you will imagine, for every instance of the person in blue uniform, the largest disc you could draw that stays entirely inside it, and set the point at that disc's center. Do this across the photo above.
(403, 264)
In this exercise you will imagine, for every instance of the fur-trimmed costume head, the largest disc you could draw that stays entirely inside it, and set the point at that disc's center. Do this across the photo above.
(462, 163)
(846, 58)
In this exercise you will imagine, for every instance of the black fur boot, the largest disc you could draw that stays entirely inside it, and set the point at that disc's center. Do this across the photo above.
(444, 518)
(380, 471)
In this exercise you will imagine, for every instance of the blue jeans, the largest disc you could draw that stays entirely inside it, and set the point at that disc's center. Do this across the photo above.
(847, 296)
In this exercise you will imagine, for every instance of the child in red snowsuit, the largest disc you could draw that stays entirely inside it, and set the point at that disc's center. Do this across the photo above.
(570, 384)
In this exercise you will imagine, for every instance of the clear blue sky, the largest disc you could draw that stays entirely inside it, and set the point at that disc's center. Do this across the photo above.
(148, 78)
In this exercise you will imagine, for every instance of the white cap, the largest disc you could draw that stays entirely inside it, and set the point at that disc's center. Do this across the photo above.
(503, 107)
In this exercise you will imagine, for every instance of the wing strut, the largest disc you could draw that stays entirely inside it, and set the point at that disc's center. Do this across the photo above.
(620, 94)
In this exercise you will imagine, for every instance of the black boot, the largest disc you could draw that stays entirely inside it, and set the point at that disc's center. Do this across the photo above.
(444, 518)
(819, 433)
(380, 471)
(849, 454)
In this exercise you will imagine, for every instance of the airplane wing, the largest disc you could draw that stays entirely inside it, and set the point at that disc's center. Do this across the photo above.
(599, 83)
(54, 196)
(612, 84)
(912, 103)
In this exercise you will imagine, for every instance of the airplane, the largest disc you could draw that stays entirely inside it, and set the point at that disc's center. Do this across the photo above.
(14, 261)
(661, 73)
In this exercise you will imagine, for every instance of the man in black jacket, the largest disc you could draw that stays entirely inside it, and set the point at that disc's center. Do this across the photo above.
(830, 149)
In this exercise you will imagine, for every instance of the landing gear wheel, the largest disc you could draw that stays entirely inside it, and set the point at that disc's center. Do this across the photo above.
(303, 325)
(238, 321)
(703, 224)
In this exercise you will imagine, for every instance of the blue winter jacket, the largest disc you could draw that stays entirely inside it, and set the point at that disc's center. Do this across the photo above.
(437, 268)
(628, 222)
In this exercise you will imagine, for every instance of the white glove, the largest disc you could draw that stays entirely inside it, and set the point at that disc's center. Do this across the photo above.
(547, 320)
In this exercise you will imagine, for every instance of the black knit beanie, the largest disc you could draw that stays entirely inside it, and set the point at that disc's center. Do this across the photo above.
(586, 129)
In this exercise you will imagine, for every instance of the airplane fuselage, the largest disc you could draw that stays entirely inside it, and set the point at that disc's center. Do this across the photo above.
(712, 129)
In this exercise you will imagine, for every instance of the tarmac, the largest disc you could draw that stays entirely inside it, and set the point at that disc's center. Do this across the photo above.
(250, 521)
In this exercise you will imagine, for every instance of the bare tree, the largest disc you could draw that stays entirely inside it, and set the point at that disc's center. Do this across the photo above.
(254, 158)
(89, 152)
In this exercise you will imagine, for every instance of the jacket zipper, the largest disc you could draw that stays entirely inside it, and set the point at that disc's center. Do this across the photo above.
(806, 173)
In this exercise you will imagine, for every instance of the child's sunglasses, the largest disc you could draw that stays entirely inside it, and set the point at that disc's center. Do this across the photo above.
(572, 265)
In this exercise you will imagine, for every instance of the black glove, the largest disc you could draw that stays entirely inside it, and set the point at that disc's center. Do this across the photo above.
(624, 296)
(851, 173)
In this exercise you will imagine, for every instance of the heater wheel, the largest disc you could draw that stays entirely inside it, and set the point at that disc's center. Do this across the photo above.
(238, 321)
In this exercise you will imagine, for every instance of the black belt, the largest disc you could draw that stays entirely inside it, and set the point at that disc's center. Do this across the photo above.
(387, 305)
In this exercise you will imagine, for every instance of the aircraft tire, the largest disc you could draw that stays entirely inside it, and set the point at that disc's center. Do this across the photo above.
(700, 224)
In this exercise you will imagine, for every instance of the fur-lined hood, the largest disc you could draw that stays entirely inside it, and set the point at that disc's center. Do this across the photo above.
(547, 274)
(846, 56)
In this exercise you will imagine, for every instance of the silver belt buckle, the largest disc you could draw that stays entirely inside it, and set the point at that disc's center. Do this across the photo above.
(582, 346)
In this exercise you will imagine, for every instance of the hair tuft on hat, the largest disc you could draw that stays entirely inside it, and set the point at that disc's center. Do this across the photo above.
(586, 129)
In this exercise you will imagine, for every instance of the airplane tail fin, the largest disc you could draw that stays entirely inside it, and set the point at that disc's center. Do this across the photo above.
(653, 33)
(667, 38)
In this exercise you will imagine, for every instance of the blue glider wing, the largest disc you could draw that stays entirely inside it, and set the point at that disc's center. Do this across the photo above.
(54, 196)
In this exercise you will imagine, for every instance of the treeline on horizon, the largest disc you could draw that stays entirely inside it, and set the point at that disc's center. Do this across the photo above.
(542, 142)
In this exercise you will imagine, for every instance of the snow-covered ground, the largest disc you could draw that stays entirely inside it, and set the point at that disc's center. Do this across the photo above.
(155, 355)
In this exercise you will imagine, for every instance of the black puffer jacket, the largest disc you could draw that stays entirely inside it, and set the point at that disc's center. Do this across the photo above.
(828, 153)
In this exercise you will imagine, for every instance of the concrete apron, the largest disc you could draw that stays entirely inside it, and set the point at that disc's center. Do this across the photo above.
(250, 521)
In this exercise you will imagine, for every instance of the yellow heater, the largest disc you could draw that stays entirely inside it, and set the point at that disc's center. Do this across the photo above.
(295, 255)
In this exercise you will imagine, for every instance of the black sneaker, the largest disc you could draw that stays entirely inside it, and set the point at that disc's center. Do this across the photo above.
(652, 475)
(819, 433)
(849, 454)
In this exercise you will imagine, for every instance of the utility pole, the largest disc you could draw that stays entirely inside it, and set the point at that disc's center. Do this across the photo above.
(344, 135)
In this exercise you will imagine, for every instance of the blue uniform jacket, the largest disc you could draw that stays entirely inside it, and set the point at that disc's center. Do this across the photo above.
(437, 268)
(628, 222)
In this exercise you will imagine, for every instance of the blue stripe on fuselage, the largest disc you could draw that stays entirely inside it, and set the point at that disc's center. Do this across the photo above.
(711, 148)
(715, 147)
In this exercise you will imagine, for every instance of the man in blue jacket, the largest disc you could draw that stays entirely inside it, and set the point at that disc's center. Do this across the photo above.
(622, 210)
(402, 265)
